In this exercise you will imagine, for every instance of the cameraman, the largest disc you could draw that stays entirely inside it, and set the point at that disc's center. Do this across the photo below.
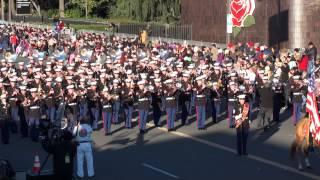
(63, 151)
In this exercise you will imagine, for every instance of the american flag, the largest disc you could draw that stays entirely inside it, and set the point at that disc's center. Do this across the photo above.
(312, 109)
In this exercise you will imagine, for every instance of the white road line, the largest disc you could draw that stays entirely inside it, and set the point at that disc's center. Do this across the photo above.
(160, 170)
(252, 157)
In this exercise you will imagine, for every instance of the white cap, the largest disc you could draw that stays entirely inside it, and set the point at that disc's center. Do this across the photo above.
(200, 78)
(296, 77)
(168, 81)
(70, 87)
(3, 69)
(179, 66)
(37, 77)
(58, 79)
(141, 82)
(242, 96)
(33, 90)
(157, 80)
(129, 71)
(116, 81)
(48, 79)
(93, 83)
(23, 87)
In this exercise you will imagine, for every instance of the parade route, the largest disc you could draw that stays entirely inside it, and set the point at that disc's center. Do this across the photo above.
(183, 154)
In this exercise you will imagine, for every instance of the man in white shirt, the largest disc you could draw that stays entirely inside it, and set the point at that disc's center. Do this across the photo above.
(83, 132)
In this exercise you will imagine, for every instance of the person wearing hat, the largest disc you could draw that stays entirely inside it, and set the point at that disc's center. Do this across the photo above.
(12, 94)
(232, 99)
(93, 104)
(106, 102)
(297, 89)
(185, 98)
(266, 104)
(242, 124)
(58, 95)
(49, 100)
(200, 102)
(71, 100)
(171, 94)
(22, 110)
(117, 98)
(143, 95)
(34, 115)
(4, 119)
(278, 98)
(128, 101)
(216, 93)
(156, 103)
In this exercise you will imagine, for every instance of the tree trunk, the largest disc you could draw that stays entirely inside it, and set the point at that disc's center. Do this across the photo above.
(61, 8)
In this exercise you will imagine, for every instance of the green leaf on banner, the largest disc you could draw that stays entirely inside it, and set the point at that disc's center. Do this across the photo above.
(249, 21)
(236, 31)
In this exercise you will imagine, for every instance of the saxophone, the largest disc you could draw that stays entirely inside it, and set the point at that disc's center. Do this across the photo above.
(245, 112)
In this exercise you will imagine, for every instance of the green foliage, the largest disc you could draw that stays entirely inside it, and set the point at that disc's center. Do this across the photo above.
(74, 13)
(148, 10)
(164, 11)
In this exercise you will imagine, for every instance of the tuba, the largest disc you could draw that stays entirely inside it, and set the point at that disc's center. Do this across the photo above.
(7, 55)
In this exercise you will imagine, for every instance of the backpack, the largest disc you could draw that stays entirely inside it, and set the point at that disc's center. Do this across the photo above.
(6, 170)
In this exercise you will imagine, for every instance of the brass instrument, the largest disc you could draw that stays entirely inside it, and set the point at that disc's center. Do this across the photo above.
(245, 112)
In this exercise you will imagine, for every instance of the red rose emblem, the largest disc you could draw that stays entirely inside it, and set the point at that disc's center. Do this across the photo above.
(240, 9)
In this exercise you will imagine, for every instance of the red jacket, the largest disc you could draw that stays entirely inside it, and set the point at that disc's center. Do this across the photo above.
(303, 64)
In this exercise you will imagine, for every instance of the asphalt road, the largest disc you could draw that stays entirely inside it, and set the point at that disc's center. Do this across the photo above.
(183, 154)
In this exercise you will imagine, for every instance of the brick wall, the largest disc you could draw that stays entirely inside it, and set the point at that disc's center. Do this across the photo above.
(208, 19)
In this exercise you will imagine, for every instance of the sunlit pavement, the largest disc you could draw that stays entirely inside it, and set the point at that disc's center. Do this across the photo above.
(183, 154)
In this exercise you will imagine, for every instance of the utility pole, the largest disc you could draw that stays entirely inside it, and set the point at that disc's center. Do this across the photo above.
(86, 4)
(2, 10)
(9, 9)
(228, 34)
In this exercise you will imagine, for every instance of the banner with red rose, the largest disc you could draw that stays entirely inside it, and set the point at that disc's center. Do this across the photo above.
(242, 14)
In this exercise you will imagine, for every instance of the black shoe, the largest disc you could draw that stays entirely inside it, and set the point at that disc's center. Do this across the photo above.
(142, 131)
(311, 149)
(91, 177)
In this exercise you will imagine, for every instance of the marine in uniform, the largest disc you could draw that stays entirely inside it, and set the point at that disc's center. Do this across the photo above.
(143, 105)
(93, 104)
(171, 95)
(106, 102)
(4, 119)
(232, 99)
(185, 98)
(242, 124)
(157, 93)
(277, 99)
(296, 89)
(34, 115)
(116, 93)
(128, 101)
(200, 102)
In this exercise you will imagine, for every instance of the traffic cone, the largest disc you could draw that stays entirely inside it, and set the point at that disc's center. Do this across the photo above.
(36, 165)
